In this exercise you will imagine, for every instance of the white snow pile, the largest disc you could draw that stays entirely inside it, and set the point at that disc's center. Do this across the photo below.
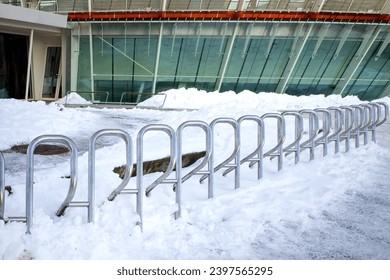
(74, 99)
(333, 207)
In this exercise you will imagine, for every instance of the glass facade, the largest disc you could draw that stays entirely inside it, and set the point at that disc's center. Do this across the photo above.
(216, 56)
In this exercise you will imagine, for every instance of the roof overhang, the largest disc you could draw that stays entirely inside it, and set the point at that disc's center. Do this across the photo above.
(18, 20)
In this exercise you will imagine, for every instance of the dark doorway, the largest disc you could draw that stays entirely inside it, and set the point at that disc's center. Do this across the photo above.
(52, 66)
(13, 65)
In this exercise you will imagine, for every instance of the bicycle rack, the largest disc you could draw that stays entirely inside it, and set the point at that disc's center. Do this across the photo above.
(235, 156)
(385, 111)
(2, 187)
(91, 168)
(207, 160)
(338, 127)
(313, 131)
(348, 126)
(359, 116)
(172, 162)
(369, 120)
(277, 151)
(60, 139)
(256, 157)
(294, 147)
(326, 120)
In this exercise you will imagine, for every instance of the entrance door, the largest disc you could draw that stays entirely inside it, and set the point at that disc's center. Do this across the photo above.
(52, 78)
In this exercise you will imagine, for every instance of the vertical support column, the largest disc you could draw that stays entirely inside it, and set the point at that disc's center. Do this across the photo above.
(157, 63)
(89, 7)
(163, 5)
(370, 35)
(295, 54)
(74, 60)
(30, 49)
(226, 58)
(62, 74)
(91, 59)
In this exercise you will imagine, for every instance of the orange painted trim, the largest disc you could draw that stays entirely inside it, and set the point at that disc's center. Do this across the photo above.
(229, 15)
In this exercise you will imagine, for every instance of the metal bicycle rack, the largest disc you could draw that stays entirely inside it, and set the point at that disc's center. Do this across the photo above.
(369, 120)
(359, 116)
(376, 113)
(233, 161)
(277, 151)
(256, 157)
(323, 139)
(207, 160)
(172, 163)
(385, 113)
(337, 123)
(337, 126)
(59, 139)
(295, 147)
(349, 121)
(313, 131)
(91, 169)
(2, 186)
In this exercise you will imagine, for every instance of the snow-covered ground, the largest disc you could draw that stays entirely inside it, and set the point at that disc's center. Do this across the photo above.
(334, 207)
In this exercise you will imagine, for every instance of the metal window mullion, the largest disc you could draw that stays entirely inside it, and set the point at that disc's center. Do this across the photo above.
(91, 61)
(226, 58)
(157, 63)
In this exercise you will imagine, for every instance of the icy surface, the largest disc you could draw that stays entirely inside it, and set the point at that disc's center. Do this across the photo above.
(334, 207)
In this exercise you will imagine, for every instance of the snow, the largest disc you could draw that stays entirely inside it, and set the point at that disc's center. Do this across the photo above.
(73, 98)
(334, 207)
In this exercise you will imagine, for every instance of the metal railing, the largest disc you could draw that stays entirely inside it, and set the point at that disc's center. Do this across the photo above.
(338, 124)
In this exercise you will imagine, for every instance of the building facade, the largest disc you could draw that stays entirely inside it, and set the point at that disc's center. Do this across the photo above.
(126, 50)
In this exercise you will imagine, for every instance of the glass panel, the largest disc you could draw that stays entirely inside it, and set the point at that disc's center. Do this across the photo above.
(320, 74)
(189, 62)
(256, 70)
(372, 76)
(133, 68)
(84, 67)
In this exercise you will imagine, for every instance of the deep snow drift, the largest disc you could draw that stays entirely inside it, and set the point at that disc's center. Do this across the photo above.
(334, 207)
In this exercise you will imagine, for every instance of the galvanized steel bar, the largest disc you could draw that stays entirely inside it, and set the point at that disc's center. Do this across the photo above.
(207, 159)
(313, 131)
(281, 136)
(171, 166)
(60, 139)
(349, 121)
(359, 124)
(256, 157)
(91, 166)
(337, 127)
(326, 120)
(234, 159)
(294, 147)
